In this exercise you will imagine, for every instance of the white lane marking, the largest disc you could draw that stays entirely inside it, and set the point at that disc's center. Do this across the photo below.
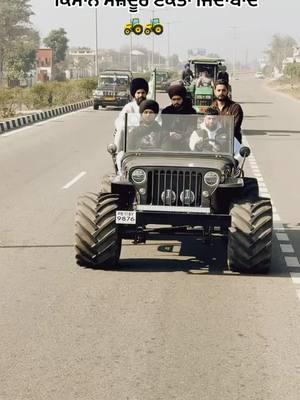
(79, 176)
(278, 226)
(295, 277)
(287, 248)
(292, 261)
(40, 123)
(282, 237)
(276, 218)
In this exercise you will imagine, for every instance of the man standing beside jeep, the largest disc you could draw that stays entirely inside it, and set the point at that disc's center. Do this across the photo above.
(225, 106)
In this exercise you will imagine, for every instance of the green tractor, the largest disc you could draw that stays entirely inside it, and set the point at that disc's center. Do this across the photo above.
(203, 95)
(134, 26)
(154, 26)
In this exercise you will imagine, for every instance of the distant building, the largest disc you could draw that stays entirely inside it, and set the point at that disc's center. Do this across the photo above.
(81, 63)
(44, 65)
(294, 59)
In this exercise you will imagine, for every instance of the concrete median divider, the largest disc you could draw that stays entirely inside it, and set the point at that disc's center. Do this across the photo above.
(19, 122)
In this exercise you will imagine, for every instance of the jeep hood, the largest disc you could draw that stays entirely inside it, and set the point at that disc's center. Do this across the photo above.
(171, 161)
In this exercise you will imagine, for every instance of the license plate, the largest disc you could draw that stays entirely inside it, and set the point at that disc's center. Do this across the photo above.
(109, 98)
(126, 217)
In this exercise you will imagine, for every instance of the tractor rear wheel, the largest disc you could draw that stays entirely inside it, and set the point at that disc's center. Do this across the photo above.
(138, 29)
(250, 236)
(158, 29)
(97, 240)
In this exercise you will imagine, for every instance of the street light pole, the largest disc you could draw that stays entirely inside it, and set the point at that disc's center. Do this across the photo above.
(130, 50)
(169, 40)
(152, 58)
(96, 54)
(234, 28)
(168, 52)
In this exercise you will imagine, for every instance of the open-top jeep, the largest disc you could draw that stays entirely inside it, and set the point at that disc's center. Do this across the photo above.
(193, 188)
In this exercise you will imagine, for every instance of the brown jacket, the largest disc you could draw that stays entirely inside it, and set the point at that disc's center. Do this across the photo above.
(232, 108)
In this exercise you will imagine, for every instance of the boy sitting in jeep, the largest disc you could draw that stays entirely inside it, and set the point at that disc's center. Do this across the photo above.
(148, 133)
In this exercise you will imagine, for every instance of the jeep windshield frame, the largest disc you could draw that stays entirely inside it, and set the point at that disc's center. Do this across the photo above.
(192, 135)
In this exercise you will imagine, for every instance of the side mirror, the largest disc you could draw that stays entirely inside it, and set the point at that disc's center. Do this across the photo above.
(245, 151)
(112, 149)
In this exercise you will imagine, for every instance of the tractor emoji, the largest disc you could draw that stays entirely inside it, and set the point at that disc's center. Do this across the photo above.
(134, 26)
(154, 26)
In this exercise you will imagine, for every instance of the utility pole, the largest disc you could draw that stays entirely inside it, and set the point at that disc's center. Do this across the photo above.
(130, 50)
(234, 31)
(96, 53)
(152, 58)
(168, 52)
(169, 40)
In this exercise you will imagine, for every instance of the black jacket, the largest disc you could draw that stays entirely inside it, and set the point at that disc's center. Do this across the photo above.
(145, 136)
(178, 124)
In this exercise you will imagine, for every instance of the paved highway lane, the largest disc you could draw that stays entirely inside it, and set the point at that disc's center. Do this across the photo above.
(159, 327)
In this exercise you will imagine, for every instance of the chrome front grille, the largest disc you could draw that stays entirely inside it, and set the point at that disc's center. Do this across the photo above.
(170, 182)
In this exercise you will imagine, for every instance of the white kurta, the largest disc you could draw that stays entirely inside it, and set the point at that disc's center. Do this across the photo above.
(129, 108)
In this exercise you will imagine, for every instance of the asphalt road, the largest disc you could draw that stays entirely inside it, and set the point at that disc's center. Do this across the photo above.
(164, 325)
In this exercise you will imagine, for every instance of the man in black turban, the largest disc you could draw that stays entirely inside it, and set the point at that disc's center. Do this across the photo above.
(178, 128)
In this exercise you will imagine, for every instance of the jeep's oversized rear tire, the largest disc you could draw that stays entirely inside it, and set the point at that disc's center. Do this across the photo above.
(250, 236)
(97, 241)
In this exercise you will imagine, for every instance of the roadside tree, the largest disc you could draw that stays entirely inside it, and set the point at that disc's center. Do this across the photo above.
(17, 38)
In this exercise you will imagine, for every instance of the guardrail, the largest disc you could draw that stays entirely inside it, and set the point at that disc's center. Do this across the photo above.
(33, 118)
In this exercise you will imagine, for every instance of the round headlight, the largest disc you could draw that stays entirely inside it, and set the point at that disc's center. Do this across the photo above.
(168, 197)
(187, 197)
(211, 178)
(138, 176)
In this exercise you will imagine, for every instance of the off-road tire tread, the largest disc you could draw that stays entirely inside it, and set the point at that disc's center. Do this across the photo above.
(250, 236)
(97, 241)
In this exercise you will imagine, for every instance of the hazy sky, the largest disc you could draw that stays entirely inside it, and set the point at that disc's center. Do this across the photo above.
(192, 27)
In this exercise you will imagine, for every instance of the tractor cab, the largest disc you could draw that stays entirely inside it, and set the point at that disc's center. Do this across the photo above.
(201, 89)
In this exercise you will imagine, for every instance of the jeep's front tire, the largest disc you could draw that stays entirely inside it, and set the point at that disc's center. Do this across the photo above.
(96, 106)
(250, 236)
(97, 241)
